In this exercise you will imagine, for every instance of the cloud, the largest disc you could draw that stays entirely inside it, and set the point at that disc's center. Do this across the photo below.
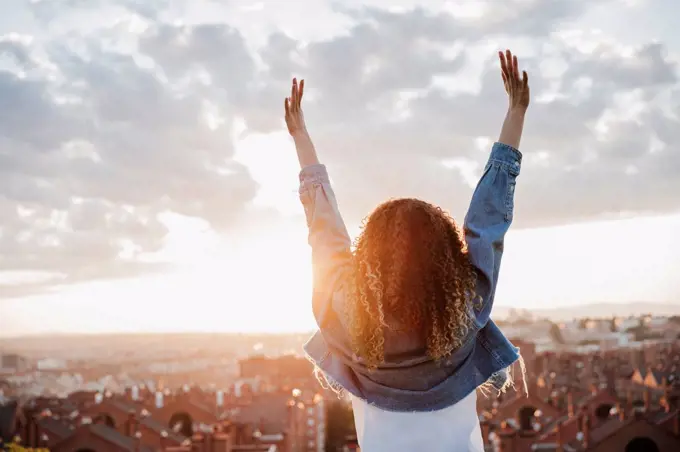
(95, 143)
(385, 125)
(108, 121)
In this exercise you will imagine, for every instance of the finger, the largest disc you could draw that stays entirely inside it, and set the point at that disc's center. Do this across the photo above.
(525, 79)
(301, 92)
(504, 66)
(510, 59)
(286, 107)
(515, 67)
(293, 94)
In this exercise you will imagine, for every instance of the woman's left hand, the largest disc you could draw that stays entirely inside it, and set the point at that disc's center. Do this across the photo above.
(295, 120)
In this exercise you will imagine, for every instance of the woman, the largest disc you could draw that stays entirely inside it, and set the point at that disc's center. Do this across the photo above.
(403, 318)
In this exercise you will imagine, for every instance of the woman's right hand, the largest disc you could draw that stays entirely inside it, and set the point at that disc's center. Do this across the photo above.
(517, 87)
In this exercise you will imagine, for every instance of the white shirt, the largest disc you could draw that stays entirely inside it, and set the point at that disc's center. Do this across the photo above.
(455, 428)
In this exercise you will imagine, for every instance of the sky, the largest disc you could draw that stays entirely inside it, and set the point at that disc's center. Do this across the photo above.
(147, 181)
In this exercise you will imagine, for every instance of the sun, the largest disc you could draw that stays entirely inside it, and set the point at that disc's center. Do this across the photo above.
(262, 278)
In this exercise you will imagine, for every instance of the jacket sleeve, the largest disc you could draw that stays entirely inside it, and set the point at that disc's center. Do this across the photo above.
(328, 238)
(487, 221)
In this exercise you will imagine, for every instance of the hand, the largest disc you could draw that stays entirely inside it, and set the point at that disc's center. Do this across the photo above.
(295, 120)
(516, 87)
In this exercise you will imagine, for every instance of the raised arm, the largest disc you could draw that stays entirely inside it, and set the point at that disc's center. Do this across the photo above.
(492, 205)
(328, 236)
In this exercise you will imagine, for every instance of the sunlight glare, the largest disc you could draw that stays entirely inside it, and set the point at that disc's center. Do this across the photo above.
(271, 160)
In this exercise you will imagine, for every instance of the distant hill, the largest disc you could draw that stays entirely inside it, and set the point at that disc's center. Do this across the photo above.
(596, 310)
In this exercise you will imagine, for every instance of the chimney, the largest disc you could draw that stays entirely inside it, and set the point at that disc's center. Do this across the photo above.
(131, 424)
(261, 424)
(570, 404)
(555, 398)
(611, 382)
(586, 432)
(31, 431)
(138, 441)
(502, 446)
(221, 442)
(646, 398)
(164, 440)
(507, 441)
(134, 392)
(36, 433)
(159, 399)
(219, 398)
(665, 405)
(198, 443)
(559, 436)
(169, 396)
(27, 425)
(639, 414)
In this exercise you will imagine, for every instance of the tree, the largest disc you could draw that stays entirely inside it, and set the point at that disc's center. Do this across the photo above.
(556, 333)
(613, 327)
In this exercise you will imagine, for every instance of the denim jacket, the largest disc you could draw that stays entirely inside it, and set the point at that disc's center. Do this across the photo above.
(409, 380)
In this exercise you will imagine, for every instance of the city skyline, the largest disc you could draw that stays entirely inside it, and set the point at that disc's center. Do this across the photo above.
(147, 182)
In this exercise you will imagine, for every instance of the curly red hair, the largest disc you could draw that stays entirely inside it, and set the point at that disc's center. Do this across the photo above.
(410, 273)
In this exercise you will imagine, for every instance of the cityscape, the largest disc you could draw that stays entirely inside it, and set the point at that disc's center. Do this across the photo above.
(339, 226)
(594, 384)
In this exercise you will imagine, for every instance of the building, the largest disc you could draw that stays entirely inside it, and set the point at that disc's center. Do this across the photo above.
(13, 363)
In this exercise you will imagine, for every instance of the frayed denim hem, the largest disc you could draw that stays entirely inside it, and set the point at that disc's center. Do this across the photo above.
(503, 380)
